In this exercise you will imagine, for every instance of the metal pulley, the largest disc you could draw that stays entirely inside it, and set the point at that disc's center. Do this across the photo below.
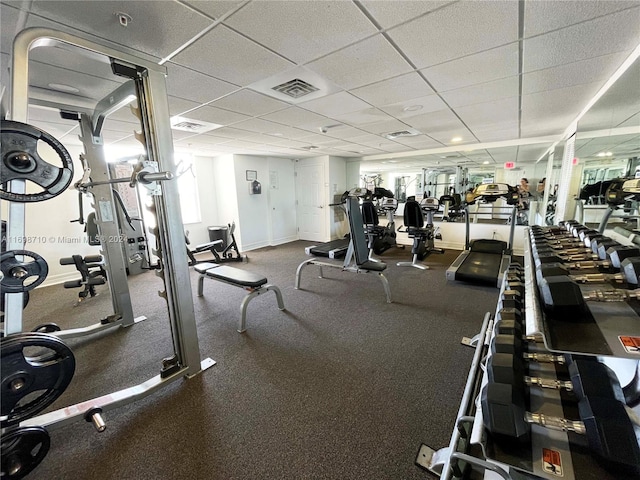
(21, 161)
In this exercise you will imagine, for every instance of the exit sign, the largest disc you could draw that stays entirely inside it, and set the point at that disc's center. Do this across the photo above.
(509, 165)
(575, 161)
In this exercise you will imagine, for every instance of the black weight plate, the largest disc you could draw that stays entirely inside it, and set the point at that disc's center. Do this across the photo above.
(30, 383)
(9, 264)
(47, 328)
(22, 450)
(21, 161)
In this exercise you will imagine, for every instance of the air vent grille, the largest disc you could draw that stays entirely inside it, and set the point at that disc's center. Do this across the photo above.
(402, 133)
(295, 88)
(192, 126)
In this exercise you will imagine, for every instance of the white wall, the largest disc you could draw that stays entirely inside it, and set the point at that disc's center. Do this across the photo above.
(207, 191)
(224, 187)
(353, 174)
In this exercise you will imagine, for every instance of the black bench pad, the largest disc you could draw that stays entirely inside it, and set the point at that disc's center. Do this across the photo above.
(373, 266)
(236, 276)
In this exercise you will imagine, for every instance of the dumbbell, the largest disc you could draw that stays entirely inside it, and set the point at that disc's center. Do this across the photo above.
(513, 345)
(629, 274)
(561, 295)
(588, 377)
(604, 421)
(617, 253)
(511, 299)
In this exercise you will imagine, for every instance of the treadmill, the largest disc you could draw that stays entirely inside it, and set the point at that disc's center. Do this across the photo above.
(484, 261)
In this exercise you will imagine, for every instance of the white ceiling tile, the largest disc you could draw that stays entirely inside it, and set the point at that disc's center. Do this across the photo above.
(390, 13)
(495, 134)
(196, 86)
(490, 114)
(619, 103)
(302, 31)
(461, 29)
(441, 126)
(393, 147)
(365, 62)
(544, 16)
(344, 132)
(618, 32)
(393, 90)
(299, 118)
(387, 126)
(216, 115)
(633, 121)
(180, 105)
(576, 73)
(363, 117)
(213, 9)
(249, 103)
(335, 104)
(8, 21)
(156, 28)
(481, 67)
(419, 141)
(409, 108)
(484, 92)
(229, 56)
(260, 125)
(553, 110)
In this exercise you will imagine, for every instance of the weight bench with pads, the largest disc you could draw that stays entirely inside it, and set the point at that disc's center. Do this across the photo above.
(357, 258)
(254, 283)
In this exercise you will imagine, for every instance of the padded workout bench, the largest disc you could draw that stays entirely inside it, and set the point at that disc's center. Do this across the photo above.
(254, 283)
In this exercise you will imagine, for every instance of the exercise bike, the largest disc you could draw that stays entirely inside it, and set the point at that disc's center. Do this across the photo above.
(380, 238)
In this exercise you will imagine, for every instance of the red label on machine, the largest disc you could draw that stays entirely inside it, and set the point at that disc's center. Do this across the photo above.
(552, 462)
(631, 344)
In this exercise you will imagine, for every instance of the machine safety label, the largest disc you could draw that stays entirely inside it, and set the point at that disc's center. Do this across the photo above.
(552, 462)
(631, 344)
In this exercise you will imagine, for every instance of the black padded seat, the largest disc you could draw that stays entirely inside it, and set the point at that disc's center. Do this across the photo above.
(373, 266)
(236, 276)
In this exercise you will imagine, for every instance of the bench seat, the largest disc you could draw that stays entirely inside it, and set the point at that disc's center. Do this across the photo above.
(254, 283)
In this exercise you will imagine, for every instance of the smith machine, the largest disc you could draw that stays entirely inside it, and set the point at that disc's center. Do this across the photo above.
(32, 381)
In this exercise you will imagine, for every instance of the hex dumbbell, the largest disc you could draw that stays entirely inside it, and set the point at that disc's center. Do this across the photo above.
(630, 271)
(604, 421)
(562, 295)
(588, 377)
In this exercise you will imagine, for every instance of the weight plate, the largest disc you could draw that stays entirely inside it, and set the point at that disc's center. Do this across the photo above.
(36, 369)
(21, 161)
(47, 328)
(16, 272)
(22, 450)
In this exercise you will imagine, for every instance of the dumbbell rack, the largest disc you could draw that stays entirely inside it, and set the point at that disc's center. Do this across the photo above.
(473, 454)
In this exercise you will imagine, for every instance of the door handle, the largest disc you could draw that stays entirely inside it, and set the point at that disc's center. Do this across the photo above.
(320, 206)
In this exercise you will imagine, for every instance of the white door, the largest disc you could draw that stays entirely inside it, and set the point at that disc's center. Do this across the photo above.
(311, 202)
(282, 200)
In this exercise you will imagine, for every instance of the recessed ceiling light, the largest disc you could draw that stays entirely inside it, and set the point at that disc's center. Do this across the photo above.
(456, 139)
(277, 134)
(412, 108)
(61, 87)
(486, 162)
(605, 154)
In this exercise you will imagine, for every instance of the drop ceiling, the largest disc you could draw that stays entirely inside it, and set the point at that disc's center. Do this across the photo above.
(492, 73)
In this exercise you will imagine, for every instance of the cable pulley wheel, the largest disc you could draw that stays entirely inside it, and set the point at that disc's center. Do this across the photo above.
(16, 274)
(36, 369)
(21, 161)
(22, 450)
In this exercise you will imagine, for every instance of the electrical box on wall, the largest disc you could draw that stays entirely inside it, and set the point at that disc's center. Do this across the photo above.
(255, 188)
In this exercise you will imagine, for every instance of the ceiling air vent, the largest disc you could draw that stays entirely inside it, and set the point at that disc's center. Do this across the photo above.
(192, 126)
(402, 133)
(295, 88)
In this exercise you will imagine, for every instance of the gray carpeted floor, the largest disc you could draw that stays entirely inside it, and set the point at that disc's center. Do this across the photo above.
(340, 386)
